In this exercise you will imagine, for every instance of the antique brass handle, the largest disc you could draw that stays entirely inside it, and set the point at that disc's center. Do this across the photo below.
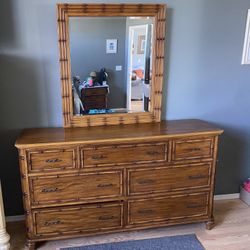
(52, 222)
(194, 205)
(146, 181)
(153, 153)
(195, 149)
(53, 160)
(105, 185)
(49, 190)
(108, 217)
(98, 157)
(146, 211)
(196, 177)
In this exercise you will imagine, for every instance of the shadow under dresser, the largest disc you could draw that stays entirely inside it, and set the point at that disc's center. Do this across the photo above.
(83, 181)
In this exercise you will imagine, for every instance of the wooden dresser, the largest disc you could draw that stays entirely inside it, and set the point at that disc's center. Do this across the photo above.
(83, 181)
(94, 97)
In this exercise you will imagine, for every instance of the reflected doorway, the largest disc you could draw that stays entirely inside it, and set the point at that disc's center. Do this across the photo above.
(139, 67)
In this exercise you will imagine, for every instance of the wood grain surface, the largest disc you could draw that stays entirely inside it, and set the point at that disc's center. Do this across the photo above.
(165, 129)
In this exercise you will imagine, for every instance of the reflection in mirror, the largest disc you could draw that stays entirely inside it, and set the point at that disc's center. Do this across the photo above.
(111, 64)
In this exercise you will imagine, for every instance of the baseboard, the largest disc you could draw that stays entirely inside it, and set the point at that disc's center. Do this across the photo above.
(216, 198)
(14, 218)
(226, 196)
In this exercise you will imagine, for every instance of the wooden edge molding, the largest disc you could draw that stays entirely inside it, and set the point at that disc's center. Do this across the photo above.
(158, 11)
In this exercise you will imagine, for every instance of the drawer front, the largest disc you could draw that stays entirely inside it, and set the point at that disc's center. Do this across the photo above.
(123, 154)
(89, 218)
(72, 188)
(167, 208)
(192, 149)
(162, 179)
(94, 91)
(50, 160)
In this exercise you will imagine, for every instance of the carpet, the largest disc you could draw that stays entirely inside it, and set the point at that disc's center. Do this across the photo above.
(182, 242)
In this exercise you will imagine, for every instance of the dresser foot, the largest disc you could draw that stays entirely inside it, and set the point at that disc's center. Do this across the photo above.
(210, 224)
(31, 245)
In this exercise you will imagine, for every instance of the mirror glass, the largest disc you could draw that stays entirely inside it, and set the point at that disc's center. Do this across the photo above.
(111, 64)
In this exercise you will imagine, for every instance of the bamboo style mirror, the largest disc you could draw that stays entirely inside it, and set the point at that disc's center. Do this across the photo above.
(111, 60)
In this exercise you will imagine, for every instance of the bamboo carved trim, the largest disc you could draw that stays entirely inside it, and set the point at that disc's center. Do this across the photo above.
(158, 11)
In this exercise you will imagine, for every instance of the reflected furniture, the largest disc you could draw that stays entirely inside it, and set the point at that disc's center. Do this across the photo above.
(94, 97)
(116, 178)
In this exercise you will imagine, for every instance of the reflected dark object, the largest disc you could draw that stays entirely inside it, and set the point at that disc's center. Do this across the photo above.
(103, 76)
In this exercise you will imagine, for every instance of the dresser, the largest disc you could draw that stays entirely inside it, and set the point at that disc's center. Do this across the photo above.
(94, 180)
(94, 97)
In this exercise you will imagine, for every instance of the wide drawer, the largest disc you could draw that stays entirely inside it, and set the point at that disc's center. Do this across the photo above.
(50, 160)
(78, 219)
(164, 179)
(123, 154)
(166, 208)
(192, 149)
(70, 188)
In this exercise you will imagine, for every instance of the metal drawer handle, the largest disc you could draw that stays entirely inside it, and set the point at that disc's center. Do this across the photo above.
(146, 181)
(145, 211)
(53, 160)
(105, 185)
(195, 149)
(194, 205)
(98, 157)
(52, 222)
(152, 153)
(49, 190)
(196, 177)
(108, 217)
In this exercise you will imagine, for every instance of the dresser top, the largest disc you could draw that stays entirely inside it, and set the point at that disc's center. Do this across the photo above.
(165, 129)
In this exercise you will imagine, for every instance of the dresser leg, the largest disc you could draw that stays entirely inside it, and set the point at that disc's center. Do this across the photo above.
(31, 245)
(210, 224)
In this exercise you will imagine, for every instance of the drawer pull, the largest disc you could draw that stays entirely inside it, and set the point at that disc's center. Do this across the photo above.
(53, 160)
(105, 185)
(146, 181)
(194, 205)
(196, 177)
(153, 153)
(51, 223)
(49, 190)
(98, 157)
(145, 211)
(195, 149)
(108, 217)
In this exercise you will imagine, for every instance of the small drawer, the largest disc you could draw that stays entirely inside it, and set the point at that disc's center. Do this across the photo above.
(167, 208)
(50, 160)
(124, 154)
(78, 219)
(94, 91)
(192, 149)
(163, 179)
(73, 188)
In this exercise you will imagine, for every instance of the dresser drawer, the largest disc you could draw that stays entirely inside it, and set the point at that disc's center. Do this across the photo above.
(50, 160)
(68, 220)
(123, 154)
(163, 179)
(167, 208)
(73, 188)
(192, 149)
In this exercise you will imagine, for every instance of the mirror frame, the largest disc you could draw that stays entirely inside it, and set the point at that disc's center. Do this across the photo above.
(158, 11)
